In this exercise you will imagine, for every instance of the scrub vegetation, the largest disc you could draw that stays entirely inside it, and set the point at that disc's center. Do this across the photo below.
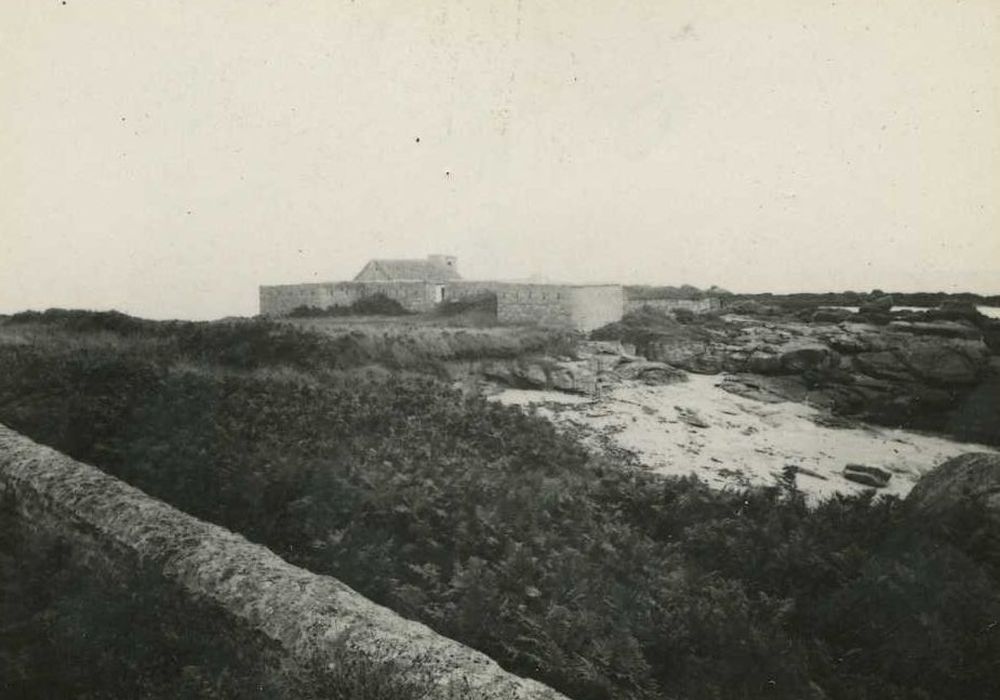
(488, 525)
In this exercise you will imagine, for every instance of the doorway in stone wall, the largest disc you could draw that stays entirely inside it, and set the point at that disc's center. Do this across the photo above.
(438, 293)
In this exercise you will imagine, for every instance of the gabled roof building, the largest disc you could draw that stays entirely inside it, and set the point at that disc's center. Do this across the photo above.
(436, 268)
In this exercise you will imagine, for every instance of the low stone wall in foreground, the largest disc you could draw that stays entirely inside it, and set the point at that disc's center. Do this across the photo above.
(301, 621)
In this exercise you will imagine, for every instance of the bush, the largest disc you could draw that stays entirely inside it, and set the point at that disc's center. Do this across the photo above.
(485, 302)
(373, 305)
(83, 321)
(684, 315)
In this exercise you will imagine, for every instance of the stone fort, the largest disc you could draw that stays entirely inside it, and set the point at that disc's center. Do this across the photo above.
(420, 285)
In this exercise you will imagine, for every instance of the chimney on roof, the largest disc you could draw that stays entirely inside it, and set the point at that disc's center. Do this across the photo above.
(449, 261)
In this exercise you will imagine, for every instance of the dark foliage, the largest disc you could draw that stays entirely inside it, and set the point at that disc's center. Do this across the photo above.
(494, 529)
(486, 302)
(79, 320)
(646, 325)
(373, 305)
(850, 298)
(685, 291)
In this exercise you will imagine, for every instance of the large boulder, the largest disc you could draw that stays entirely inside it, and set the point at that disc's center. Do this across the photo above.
(867, 476)
(761, 362)
(518, 373)
(801, 358)
(749, 307)
(791, 358)
(955, 311)
(882, 364)
(945, 329)
(880, 304)
(831, 315)
(990, 328)
(850, 343)
(948, 363)
(574, 378)
(700, 357)
(969, 480)
(650, 372)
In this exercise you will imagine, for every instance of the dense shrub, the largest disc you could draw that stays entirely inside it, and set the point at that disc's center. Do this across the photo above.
(646, 325)
(79, 320)
(485, 302)
(685, 291)
(811, 300)
(496, 530)
(372, 305)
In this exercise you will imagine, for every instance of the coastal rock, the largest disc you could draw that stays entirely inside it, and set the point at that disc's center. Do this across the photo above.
(944, 329)
(603, 362)
(831, 315)
(752, 308)
(991, 334)
(882, 365)
(761, 362)
(803, 358)
(524, 373)
(763, 389)
(700, 357)
(900, 369)
(573, 378)
(969, 480)
(869, 476)
(603, 347)
(533, 374)
(954, 311)
(650, 372)
(849, 343)
(954, 362)
(878, 305)
(690, 417)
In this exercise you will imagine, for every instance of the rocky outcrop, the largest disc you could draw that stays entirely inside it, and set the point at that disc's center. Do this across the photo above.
(880, 304)
(572, 376)
(753, 308)
(305, 621)
(866, 475)
(944, 329)
(912, 372)
(698, 356)
(598, 365)
(969, 480)
(649, 372)
(831, 315)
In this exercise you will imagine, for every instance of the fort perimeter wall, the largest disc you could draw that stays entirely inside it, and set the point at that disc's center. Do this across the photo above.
(583, 307)
(698, 306)
(282, 299)
(302, 620)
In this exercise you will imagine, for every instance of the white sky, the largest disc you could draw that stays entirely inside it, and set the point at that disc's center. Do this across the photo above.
(164, 158)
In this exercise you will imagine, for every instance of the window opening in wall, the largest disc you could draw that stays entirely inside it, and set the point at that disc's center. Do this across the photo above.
(438, 293)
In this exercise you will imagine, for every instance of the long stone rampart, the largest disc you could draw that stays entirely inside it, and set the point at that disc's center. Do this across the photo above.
(308, 622)
(583, 307)
(698, 306)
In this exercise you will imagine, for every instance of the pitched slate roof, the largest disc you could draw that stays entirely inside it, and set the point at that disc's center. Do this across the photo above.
(408, 270)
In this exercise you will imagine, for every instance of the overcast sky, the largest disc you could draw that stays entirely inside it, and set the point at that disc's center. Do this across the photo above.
(166, 158)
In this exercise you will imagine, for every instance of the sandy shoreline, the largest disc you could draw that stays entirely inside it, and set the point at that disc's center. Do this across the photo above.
(727, 440)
